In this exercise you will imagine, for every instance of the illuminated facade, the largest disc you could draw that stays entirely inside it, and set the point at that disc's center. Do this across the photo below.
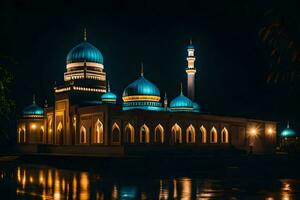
(86, 117)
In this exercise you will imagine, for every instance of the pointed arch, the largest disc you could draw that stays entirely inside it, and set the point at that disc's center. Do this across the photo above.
(41, 135)
(224, 135)
(213, 135)
(129, 134)
(116, 134)
(176, 134)
(190, 134)
(49, 132)
(203, 134)
(144, 134)
(98, 132)
(82, 135)
(21, 136)
(59, 133)
(159, 135)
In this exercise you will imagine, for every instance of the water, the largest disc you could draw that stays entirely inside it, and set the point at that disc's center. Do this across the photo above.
(20, 181)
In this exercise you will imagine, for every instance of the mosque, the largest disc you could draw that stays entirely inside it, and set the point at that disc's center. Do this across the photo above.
(86, 117)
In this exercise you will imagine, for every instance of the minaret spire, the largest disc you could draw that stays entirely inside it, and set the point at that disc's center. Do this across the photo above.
(181, 89)
(108, 86)
(191, 71)
(142, 69)
(165, 102)
(84, 35)
(288, 124)
(33, 99)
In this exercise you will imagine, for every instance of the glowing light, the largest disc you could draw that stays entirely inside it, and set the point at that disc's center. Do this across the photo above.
(253, 132)
(31, 179)
(270, 131)
(33, 126)
(141, 98)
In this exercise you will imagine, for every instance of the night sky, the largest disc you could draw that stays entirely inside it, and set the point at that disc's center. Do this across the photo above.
(232, 61)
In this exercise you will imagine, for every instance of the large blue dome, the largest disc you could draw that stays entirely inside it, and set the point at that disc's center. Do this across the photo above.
(85, 52)
(33, 110)
(141, 87)
(181, 103)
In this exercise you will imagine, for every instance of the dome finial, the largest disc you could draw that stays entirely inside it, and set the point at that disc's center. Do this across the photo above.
(142, 69)
(33, 99)
(46, 103)
(191, 42)
(84, 35)
(108, 86)
(288, 124)
(181, 88)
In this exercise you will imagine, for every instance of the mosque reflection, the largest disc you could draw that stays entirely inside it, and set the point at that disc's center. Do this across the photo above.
(51, 183)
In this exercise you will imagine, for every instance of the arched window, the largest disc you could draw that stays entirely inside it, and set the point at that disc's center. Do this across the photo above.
(129, 133)
(115, 134)
(42, 135)
(190, 134)
(82, 135)
(224, 135)
(144, 134)
(59, 134)
(176, 134)
(49, 134)
(159, 136)
(98, 133)
(21, 138)
(213, 135)
(203, 134)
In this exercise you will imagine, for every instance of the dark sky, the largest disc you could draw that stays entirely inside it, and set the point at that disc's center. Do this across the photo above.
(231, 59)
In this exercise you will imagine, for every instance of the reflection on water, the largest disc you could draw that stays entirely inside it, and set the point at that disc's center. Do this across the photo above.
(36, 182)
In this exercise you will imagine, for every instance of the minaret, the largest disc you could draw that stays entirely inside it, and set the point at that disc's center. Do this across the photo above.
(108, 86)
(33, 99)
(84, 35)
(142, 69)
(191, 71)
(166, 102)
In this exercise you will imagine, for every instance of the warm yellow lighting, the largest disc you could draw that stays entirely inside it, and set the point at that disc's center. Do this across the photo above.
(141, 98)
(253, 132)
(31, 179)
(270, 131)
(33, 126)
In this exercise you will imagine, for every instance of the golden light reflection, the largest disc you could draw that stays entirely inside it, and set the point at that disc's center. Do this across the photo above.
(186, 188)
(286, 190)
(24, 179)
(41, 177)
(114, 194)
(174, 189)
(19, 174)
(56, 194)
(74, 186)
(163, 191)
(84, 185)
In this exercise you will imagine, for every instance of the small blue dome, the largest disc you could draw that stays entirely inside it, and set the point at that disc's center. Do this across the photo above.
(287, 133)
(190, 46)
(33, 110)
(181, 103)
(196, 107)
(85, 52)
(141, 87)
(109, 97)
